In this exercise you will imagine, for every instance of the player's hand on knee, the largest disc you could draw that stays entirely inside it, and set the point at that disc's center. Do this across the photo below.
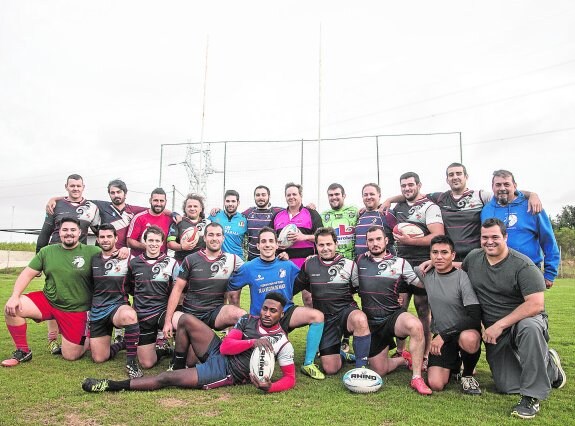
(263, 385)
(436, 345)
(168, 333)
(12, 306)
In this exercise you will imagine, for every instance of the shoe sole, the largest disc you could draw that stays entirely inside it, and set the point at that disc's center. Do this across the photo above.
(557, 361)
(523, 416)
(313, 377)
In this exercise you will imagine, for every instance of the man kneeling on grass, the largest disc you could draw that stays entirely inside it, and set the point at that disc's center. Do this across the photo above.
(224, 363)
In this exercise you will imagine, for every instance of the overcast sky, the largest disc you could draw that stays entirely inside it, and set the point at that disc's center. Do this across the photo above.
(96, 87)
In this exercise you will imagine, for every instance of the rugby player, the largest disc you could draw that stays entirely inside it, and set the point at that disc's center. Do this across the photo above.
(193, 216)
(332, 280)
(342, 219)
(152, 216)
(380, 273)
(511, 292)
(224, 363)
(234, 224)
(150, 276)
(206, 274)
(456, 319)
(426, 215)
(66, 296)
(307, 220)
(110, 306)
(371, 216)
(268, 273)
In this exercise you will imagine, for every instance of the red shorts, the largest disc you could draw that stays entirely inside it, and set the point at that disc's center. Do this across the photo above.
(72, 325)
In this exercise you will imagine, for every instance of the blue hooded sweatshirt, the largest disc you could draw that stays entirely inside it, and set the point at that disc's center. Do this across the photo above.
(529, 234)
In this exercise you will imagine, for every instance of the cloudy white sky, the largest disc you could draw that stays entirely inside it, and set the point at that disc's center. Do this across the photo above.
(96, 87)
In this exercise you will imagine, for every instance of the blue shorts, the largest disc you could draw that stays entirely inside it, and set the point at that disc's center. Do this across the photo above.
(213, 372)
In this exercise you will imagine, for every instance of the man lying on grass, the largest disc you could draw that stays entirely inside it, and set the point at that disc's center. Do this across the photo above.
(224, 363)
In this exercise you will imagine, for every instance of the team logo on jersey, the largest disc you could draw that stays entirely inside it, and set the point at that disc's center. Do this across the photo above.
(326, 217)
(511, 220)
(78, 262)
(86, 212)
(282, 273)
(160, 270)
(351, 214)
(384, 266)
(241, 223)
(337, 269)
(220, 267)
(259, 277)
(115, 267)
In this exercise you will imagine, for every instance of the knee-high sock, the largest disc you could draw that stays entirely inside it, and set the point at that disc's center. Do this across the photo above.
(18, 333)
(115, 348)
(131, 337)
(469, 361)
(361, 345)
(312, 341)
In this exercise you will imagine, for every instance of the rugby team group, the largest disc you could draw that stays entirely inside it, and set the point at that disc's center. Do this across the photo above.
(477, 264)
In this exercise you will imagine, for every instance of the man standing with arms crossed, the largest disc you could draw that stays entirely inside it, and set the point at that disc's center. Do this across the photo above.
(66, 296)
(372, 216)
(511, 291)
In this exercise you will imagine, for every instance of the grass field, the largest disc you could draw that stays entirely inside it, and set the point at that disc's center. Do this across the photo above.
(47, 390)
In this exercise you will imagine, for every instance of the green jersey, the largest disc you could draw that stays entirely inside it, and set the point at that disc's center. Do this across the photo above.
(68, 275)
(343, 221)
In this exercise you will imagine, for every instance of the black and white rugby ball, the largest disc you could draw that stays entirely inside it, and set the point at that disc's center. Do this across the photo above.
(283, 236)
(262, 363)
(362, 380)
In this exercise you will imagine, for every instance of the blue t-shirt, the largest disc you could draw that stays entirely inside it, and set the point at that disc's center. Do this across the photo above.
(235, 229)
(264, 277)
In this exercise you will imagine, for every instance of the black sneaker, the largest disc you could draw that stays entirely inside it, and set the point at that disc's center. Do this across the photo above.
(561, 376)
(527, 408)
(95, 385)
(18, 356)
(119, 338)
(469, 386)
(345, 344)
(133, 369)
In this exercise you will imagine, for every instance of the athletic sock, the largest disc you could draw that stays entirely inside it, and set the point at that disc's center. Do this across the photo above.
(18, 333)
(52, 335)
(131, 337)
(118, 385)
(115, 348)
(312, 341)
(361, 345)
(179, 360)
(469, 361)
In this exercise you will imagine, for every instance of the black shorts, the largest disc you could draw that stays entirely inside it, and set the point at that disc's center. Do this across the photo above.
(284, 322)
(208, 317)
(449, 358)
(335, 326)
(382, 333)
(149, 328)
(103, 327)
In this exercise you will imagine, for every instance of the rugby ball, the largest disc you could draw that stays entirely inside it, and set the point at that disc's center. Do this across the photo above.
(282, 237)
(262, 363)
(191, 235)
(362, 380)
(410, 229)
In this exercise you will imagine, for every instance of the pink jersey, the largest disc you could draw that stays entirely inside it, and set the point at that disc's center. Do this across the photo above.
(142, 221)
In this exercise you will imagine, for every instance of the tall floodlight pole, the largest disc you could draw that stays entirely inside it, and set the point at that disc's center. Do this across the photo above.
(319, 123)
(202, 183)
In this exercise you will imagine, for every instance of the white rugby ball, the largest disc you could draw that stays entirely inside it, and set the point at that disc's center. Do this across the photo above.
(282, 237)
(410, 229)
(262, 364)
(191, 235)
(362, 380)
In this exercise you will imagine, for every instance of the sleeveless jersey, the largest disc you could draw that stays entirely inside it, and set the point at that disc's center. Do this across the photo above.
(462, 218)
(119, 219)
(251, 328)
(343, 221)
(152, 282)
(207, 280)
(257, 218)
(108, 280)
(365, 221)
(176, 231)
(379, 280)
(85, 211)
(421, 213)
(331, 283)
